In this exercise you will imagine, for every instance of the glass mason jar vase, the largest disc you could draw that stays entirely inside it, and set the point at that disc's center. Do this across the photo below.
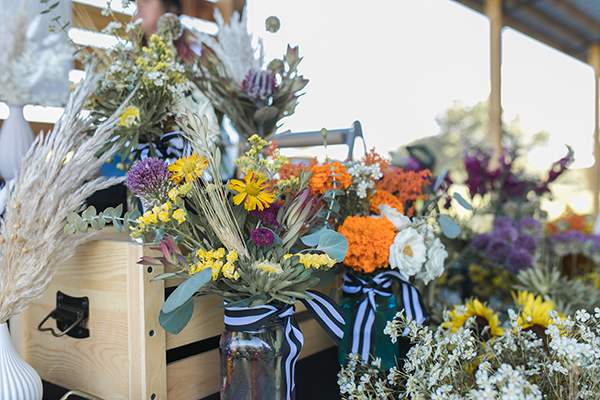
(252, 364)
(382, 347)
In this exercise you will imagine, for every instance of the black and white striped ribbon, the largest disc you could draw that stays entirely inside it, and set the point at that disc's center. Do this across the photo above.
(329, 315)
(361, 338)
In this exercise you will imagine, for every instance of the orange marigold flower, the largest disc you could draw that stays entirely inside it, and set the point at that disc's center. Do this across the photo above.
(322, 178)
(369, 241)
(384, 197)
(405, 185)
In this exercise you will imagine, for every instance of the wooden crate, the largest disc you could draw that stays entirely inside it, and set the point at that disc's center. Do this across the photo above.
(126, 355)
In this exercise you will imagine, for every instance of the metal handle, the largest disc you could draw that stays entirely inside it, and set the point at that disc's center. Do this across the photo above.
(80, 394)
(53, 315)
(70, 313)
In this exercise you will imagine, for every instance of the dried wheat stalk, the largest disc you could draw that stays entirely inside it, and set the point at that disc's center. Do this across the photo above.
(56, 177)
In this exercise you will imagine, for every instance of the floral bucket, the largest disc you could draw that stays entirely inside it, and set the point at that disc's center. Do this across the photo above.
(370, 303)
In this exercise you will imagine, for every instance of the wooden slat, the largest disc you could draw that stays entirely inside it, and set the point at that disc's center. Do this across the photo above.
(90, 18)
(206, 322)
(99, 364)
(147, 353)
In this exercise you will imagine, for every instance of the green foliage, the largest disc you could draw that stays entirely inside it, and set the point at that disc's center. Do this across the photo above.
(80, 223)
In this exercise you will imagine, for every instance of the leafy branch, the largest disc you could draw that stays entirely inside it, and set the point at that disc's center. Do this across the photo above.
(89, 217)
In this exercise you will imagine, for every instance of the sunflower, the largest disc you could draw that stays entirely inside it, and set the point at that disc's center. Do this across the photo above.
(190, 168)
(253, 191)
(535, 315)
(484, 316)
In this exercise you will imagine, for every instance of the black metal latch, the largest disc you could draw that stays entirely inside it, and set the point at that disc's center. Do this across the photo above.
(70, 314)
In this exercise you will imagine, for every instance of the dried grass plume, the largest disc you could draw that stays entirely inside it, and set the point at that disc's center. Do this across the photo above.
(56, 177)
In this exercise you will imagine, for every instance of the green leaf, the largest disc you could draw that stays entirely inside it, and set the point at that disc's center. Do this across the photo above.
(276, 241)
(81, 225)
(89, 213)
(334, 244)
(72, 217)
(462, 201)
(166, 275)
(450, 228)
(45, 12)
(244, 302)
(94, 223)
(53, 6)
(175, 321)
(69, 229)
(118, 211)
(440, 179)
(117, 225)
(313, 239)
(187, 290)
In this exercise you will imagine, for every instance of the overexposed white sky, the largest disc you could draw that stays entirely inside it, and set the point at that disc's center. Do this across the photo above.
(395, 64)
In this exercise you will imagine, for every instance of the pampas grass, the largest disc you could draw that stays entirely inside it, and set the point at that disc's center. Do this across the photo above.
(57, 175)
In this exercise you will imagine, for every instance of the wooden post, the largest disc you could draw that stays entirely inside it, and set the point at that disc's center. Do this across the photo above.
(493, 10)
(594, 61)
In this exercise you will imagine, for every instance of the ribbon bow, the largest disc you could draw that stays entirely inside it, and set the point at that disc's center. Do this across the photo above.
(361, 336)
(327, 313)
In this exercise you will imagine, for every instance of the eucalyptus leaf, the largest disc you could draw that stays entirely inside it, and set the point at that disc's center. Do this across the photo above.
(174, 321)
(118, 211)
(81, 225)
(72, 217)
(462, 201)
(69, 229)
(313, 239)
(117, 224)
(334, 244)
(187, 290)
(440, 179)
(450, 228)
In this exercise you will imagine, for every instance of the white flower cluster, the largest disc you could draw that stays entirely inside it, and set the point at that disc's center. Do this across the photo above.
(363, 176)
(561, 361)
(415, 251)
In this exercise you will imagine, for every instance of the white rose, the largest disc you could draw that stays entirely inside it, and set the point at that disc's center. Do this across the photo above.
(399, 220)
(434, 267)
(408, 252)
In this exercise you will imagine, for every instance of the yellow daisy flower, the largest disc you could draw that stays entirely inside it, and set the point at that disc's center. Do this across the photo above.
(190, 168)
(129, 116)
(474, 308)
(253, 192)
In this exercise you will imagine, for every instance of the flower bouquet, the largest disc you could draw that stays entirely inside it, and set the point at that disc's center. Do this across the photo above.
(372, 202)
(537, 354)
(232, 74)
(249, 241)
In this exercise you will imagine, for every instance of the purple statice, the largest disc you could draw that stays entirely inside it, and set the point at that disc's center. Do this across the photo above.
(411, 164)
(268, 216)
(150, 181)
(497, 250)
(259, 85)
(262, 236)
(505, 232)
(527, 243)
(518, 259)
(556, 170)
(480, 241)
(530, 226)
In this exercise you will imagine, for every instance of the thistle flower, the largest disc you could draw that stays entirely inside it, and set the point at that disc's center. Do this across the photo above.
(262, 237)
(526, 242)
(505, 232)
(480, 242)
(150, 181)
(518, 259)
(530, 226)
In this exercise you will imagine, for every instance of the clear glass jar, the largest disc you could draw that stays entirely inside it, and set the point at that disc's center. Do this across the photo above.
(383, 346)
(252, 364)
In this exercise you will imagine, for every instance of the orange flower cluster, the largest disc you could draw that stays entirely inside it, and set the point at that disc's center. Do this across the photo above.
(371, 158)
(570, 221)
(291, 169)
(405, 185)
(384, 197)
(369, 242)
(322, 179)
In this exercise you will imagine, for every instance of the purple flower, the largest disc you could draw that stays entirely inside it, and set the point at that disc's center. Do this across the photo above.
(481, 241)
(150, 180)
(268, 215)
(530, 226)
(506, 232)
(259, 85)
(526, 242)
(559, 238)
(497, 250)
(518, 259)
(262, 237)
(576, 236)
(501, 222)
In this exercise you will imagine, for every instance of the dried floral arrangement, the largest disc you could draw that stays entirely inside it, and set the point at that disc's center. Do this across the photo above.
(231, 73)
(251, 240)
(26, 61)
(57, 175)
(538, 354)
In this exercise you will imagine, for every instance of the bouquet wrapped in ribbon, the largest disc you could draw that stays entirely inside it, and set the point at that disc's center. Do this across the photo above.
(247, 241)
(382, 211)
